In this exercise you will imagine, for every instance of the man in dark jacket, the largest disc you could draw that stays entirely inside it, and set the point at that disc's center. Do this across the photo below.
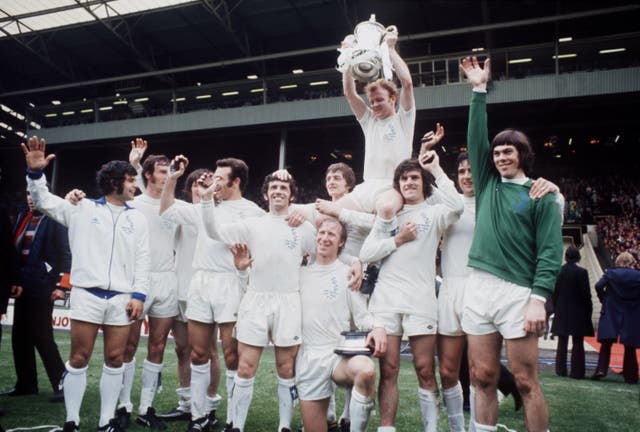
(43, 250)
(573, 307)
(619, 293)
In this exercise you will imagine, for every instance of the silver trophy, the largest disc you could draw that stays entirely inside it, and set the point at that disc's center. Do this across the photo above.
(365, 52)
(353, 343)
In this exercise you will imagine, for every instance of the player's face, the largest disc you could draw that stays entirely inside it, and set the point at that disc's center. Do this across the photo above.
(278, 194)
(224, 188)
(336, 185)
(159, 176)
(328, 241)
(411, 187)
(464, 178)
(507, 161)
(128, 189)
(195, 193)
(381, 103)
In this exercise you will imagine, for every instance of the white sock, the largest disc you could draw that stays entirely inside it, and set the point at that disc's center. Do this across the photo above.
(286, 393)
(110, 384)
(386, 429)
(429, 408)
(485, 428)
(242, 395)
(213, 402)
(360, 408)
(347, 402)
(472, 408)
(454, 400)
(184, 399)
(75, 383)
(231, 374)
(200, 378)
(331, 409)
(150, 372)
(127, 384)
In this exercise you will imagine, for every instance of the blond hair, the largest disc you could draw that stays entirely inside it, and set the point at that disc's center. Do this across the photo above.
(625, 259)
(389, 86)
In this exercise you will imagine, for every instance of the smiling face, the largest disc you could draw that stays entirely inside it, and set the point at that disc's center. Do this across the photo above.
(464, 178)
(382, 104)
(129, 188)
(278, 195)
(336, 185)
(329, 240)
(507, 161)
(411, 187)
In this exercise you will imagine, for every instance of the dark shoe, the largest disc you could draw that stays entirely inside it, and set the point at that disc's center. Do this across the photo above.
(150, 420)
(345, 425)
(112, 426)
(235, 430)
(70, 427)
(199, 425)
(58, 396)
(597, 375)
(333, 426)
(285, 430)
(17, 392)
(174, 415)
(228, 427)
(213, 420)
(123, 417)
(517, 399)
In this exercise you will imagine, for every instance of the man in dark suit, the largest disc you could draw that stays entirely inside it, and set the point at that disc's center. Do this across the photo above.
(43, 250)
(573, 307)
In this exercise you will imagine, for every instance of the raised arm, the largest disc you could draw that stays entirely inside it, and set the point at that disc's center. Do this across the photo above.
(231, 233)
(446, 192)
(358, 106)
(138, 148)
(407, 101)
(168, 197)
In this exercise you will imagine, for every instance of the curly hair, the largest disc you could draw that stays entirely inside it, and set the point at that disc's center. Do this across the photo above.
(110, 178)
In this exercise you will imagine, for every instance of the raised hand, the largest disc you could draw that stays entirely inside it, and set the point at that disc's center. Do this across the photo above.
(391, 36)
(34, 154)
(138, 147)
(178, 165)
(206, 186)
(476, 74)
(282, 175)
(431, 138)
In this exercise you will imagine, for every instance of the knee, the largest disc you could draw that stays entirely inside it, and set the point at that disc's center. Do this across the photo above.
(448, 374)
(78, 360)
(525, 382)
(366, 373)
(285, 369)
(231, 359)
(198, 355)
(114, 359)
(389, 370)
(182, 349)
(484, 377)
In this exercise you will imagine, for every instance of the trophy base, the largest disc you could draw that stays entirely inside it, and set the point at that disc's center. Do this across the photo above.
(353, 344)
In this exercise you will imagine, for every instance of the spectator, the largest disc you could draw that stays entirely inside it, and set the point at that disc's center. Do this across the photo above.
(572, 306)
(619, 293)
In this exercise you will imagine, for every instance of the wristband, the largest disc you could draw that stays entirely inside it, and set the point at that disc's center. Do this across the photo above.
(139, 296)
(34, 174)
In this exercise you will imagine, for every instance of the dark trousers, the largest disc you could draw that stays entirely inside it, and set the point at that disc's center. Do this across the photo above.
(629, 363)
(577, 356)
(32, 329)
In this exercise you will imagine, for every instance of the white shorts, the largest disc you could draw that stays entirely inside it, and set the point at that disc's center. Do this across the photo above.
(492, 304)
(214, 297)
(397, 324)
(265, 316)
(182, 311)
(162, 299)
(314, 368)
(97, 310)
(366, 193)
(451, 305)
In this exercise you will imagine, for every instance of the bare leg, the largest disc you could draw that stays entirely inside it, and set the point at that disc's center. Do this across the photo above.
(388, 386)
(484, 357)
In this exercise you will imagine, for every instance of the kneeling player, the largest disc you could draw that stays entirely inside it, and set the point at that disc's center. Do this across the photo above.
(327, 305)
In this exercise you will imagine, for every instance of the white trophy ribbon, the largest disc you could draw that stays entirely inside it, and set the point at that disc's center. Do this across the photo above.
(366, 53)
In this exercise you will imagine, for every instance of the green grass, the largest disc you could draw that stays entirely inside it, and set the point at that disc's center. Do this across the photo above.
(583, 406)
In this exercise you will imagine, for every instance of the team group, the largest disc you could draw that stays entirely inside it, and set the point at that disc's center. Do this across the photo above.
(216, 263)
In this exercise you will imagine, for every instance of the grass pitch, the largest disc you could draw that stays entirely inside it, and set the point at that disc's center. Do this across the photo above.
(580, 406)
